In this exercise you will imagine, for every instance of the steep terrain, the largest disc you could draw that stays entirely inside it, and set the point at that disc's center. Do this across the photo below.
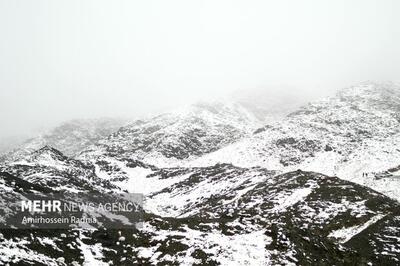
(48, 167)
(180, 135)
(298, 218)
(220, 188)
(355, 132)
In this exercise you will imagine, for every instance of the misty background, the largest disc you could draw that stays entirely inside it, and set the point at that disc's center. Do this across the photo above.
(61, 60)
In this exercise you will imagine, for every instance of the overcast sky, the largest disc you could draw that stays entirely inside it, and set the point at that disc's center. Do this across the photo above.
(71, 59)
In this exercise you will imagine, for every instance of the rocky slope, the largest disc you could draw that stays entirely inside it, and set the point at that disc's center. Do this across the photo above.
(297, 218)
(220, 189)
(355, 132)
(70, 137)
(180, 135)
(50, 168)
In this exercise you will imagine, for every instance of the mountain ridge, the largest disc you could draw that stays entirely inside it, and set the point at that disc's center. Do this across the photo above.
(219, 188)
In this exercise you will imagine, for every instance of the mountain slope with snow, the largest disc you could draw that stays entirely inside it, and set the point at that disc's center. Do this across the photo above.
(297, 218)
(70, 137)
(355, 132)
(180, 135)
(50, 168)
(219, 188)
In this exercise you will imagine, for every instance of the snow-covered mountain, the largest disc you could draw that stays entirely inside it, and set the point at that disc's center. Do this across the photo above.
(221, 188)
(50, 168)
(355, 132)
(298, 218)
(70, 137)
(183, 134)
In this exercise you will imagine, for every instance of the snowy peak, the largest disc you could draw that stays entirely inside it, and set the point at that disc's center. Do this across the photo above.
(370, 90)
(181, 134)
(357, 113)
(366, 97)
(70, 137)
(220, 112)
(355, 132)
(46, 152)
(49, 168)
(217, 191)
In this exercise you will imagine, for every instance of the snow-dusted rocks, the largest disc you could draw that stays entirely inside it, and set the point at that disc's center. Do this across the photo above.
(295, 218)
(50, 168)
(222, 188)
(180, 135)
(70, 137)
(357, 131)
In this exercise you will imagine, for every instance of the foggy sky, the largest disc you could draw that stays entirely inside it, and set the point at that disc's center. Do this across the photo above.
(82, 59)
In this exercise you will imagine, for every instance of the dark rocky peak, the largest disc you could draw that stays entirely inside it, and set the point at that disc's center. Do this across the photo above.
(49, 152)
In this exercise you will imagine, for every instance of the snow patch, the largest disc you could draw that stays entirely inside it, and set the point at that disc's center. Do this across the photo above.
(345, 234)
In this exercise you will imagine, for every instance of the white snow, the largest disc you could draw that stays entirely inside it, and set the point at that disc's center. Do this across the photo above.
(345, 234)
(15, 251)
(92, 254)
(239, 249)
(284, 201)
